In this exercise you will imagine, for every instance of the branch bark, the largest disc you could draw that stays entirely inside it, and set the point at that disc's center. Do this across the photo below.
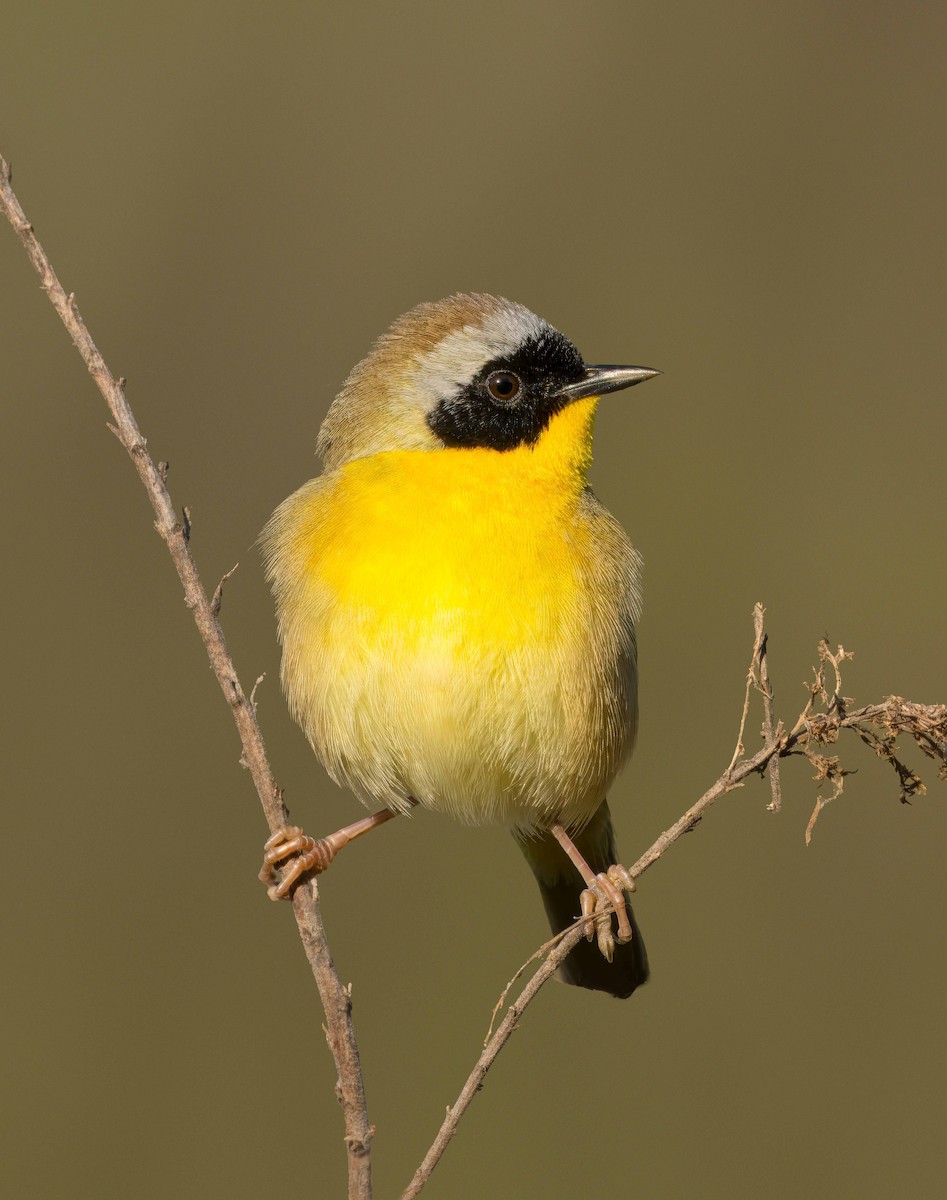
(335, 997)
(562, 946)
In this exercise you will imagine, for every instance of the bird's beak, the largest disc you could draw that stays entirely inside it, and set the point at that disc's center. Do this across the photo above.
(600, 380)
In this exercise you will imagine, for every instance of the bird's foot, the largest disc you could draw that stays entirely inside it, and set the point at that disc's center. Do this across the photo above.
(604, 895)
(288, 854)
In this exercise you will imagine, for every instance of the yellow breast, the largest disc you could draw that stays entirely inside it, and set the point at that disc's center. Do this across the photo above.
(456, 627)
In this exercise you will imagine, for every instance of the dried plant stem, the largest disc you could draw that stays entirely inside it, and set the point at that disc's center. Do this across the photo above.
(335, 997)
(486, 1060)
(769, 720)
(925, 723)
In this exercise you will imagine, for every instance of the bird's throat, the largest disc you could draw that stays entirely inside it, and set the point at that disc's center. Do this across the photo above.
(564, 450)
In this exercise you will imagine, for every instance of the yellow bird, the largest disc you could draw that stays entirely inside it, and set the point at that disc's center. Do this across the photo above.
(456, 608)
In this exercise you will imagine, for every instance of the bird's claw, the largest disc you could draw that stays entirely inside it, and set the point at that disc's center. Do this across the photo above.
(305, 853)
(603, 897)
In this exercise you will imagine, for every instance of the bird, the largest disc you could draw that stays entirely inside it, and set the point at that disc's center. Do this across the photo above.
(457, 609)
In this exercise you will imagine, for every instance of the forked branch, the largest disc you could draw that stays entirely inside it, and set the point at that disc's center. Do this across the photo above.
(878, 725)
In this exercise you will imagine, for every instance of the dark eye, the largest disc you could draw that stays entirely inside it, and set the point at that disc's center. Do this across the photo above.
(504, 386)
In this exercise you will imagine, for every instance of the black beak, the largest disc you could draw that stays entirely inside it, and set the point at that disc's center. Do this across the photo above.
(600, 380)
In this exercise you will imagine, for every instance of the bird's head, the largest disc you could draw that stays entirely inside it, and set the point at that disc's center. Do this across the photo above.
(471, 370)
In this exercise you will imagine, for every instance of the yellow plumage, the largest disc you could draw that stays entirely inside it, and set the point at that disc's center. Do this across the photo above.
(457, 627)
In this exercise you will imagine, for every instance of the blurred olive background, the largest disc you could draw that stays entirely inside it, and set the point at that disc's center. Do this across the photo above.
(747, 196)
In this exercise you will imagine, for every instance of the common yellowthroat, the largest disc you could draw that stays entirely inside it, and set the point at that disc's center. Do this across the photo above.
(456, 608)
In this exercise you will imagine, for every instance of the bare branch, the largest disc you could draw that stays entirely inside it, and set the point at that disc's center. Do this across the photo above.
(728, 781)
(335, 998)
(757, 676)
(769, 719)
(751, 681)
(253, 690)
(218, 597)
(493, 1047)
(927, 724)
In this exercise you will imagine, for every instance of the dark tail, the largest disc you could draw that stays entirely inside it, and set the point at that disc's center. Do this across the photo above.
(560, 885)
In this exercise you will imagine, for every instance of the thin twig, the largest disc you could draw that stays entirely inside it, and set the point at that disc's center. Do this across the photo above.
(751, 682)
(218, 596)
(541, 953)
(925, 723)
(493, 1047)
(728, 781)
(769, 720)
(259, 679)
(335, 998)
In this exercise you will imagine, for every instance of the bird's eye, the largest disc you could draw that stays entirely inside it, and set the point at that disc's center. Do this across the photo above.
(504, 386)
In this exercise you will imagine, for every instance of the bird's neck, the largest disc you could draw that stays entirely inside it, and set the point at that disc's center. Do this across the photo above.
(551, 473)
(564, 449)
(477, 478)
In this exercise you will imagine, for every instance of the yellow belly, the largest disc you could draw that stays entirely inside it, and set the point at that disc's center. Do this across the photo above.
(455, 631)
